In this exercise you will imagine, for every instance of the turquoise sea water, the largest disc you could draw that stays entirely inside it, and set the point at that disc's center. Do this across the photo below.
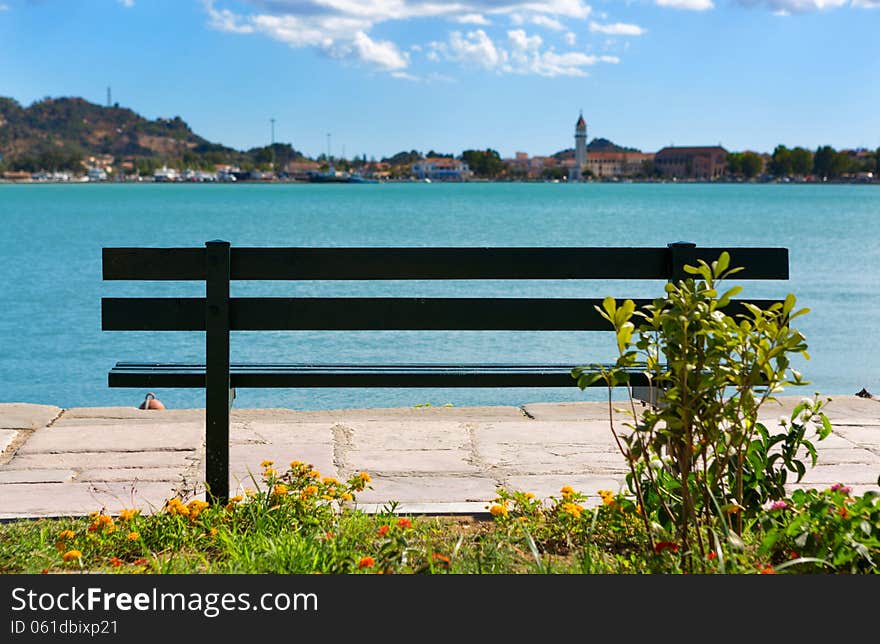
(52, 349)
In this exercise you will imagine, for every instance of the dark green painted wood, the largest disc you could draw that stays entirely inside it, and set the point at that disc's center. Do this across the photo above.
(434, 263)
(369, 314)
(217, 381)
(389, 376)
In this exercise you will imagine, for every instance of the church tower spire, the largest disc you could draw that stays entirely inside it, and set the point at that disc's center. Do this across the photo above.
(580, 149)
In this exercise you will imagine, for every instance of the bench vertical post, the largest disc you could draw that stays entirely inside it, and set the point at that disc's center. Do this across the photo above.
(217, 382)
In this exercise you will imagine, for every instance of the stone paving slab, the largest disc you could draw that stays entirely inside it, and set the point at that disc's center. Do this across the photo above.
(36, 476)
(81, 460)
(551, 458)
(77, 499)
(26, 415)
(440, 457)
(414, 461)
(128, 437)
(6, 438)
(416, 434)
(132, 475)
(429, 489)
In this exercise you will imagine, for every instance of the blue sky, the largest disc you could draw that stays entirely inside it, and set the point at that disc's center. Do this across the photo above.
(381, 76)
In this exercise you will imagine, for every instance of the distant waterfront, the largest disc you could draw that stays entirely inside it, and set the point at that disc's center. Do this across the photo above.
(53, 351)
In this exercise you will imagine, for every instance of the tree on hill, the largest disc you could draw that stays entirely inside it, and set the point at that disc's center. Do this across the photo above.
(403, 158)
(483, 163)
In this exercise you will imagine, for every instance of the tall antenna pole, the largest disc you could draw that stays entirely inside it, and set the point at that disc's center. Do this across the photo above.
(109, 102)
(328, 146)
(272, 121)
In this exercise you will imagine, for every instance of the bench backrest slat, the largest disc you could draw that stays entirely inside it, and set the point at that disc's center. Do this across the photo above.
(367, 314)
(435, 263)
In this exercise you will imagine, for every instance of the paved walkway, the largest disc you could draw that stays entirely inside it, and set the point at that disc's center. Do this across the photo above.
(57, 462)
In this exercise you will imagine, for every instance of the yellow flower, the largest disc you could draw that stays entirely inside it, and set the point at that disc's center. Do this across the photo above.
(498, 511)
(329, 479)
(66, 534)
(71, 555)
(267, 463)
(134, 536)
(567, 491)
(295, 465)
(213, 532)
(280, 489)
(195, 507)
(363, 476)
(270, 473)
(128, 515)
(315, 474)
(529, 495)
(250, 491)
(309, 490)
(236, 499)
(345, 496)
(572, 509)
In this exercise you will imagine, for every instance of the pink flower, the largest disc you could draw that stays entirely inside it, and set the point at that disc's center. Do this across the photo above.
(778, 505)
(840, 487)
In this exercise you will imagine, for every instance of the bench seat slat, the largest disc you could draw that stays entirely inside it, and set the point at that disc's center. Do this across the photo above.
(178, 375)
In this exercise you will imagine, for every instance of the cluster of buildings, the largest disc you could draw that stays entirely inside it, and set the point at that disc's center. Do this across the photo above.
(700, 163)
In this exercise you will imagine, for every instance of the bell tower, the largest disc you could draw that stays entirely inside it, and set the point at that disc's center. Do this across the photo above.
(580, 149)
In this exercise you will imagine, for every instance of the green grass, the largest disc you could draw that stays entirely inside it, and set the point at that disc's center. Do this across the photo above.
(301, 523)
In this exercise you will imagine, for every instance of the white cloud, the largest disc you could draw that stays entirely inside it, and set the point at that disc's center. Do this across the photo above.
(570, 39)
(690, 5)
(383, 54)
(471, 19)
(128, 4)
(342, 28)
(549, 23)
(521, 54)
(617, 29)
(787, 7)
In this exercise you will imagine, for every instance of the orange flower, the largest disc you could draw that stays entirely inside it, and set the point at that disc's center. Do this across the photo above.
(66, 534)
(768, 571)
(309, 490)
(382, 531)
(345, 496)
(712, 555)
(404, 523)
(134, 536)
(280, 489)
(498, 511)
(438, 557)
(267, 463)
(128, 515)
(139, 562)
(315, 474)
(115, 562)
(363, 476)
(567, 491)
(72, 555)
(366, 562)
(213, 532)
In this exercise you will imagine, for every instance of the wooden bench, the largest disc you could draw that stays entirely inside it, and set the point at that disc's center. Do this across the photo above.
(218, 314)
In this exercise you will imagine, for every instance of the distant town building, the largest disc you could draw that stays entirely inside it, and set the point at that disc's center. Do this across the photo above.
(441, 169)
(709, 162)
(580, 150)
(301, 169)
(617, 164)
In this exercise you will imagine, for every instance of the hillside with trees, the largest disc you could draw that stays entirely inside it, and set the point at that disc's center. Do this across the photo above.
(62, 133)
